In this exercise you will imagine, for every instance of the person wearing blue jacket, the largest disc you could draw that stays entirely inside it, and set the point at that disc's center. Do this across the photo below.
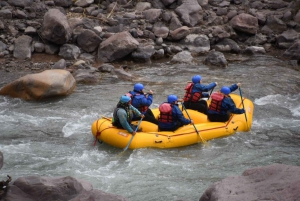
(222, 105)
(142, 102)
(195, 91)
(171, 117)
(123, 114)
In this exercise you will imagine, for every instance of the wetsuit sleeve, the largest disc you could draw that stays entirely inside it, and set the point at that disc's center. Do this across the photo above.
(147, 101)
(180, 116)
(205, 88)
(230, 106)
(123, 120)
(233, 87)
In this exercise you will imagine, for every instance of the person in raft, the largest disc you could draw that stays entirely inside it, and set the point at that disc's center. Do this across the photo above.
(123, 114)
(142, 102)
(171, 117)
(195, 91)
(222, 105)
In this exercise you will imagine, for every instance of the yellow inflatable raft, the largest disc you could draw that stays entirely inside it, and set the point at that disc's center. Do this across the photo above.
(104, 131)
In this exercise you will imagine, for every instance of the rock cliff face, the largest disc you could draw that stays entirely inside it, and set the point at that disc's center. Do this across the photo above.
(108, 31)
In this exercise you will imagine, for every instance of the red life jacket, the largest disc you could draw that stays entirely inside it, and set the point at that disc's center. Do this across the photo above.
(141, 108)
(189, 96)
(216, 102)
(165, 110)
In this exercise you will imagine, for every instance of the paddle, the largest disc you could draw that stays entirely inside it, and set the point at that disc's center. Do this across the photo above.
(133, 135)
(211, 92)
(193, 123)
(243, 105)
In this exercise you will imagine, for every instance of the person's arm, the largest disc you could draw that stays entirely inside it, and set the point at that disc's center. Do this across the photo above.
(234, 87)
(180, 116)
(135, 111)
(147, 101)
(205, 88)
(123, 120)
(232, 108)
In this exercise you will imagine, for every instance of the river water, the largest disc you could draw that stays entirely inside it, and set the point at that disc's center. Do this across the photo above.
(53, 138)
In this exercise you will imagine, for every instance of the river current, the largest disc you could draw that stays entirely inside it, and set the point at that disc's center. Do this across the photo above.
(53, 138)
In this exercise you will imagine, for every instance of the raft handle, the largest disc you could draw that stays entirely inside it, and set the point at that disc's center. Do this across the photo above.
(158, 141)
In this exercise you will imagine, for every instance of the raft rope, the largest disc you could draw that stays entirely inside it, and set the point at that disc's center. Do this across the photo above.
(98, 131)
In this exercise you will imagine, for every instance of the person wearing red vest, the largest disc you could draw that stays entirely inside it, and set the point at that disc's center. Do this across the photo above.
(222, 105)
(142, 102)
(195, 91)
(171, 117)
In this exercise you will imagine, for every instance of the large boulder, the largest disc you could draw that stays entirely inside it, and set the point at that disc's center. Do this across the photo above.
(32, 188)
(273, 182)
(56, 27)
(117, 46)
(190, 12)
(215, 58)
(49, 83)
(245, 23)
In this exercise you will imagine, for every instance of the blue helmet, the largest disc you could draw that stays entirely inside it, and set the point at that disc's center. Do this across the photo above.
(225, 90)
(196, 79)
(138, 87)
(125, 99)
(172, 98)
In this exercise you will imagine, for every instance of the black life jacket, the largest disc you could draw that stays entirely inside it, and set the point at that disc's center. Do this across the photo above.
(189, 96)
(141, 108)
(165, 110)
(116, 121)
(216, 102)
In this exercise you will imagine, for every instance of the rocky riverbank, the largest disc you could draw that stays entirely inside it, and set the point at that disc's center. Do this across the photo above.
(85, 34)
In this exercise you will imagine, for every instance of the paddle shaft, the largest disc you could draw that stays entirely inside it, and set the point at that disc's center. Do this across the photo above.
(193, 123)
(243, 105)
(133, 135)
(211, 93)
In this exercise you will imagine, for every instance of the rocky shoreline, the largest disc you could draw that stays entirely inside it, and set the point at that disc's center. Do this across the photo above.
(87, 34)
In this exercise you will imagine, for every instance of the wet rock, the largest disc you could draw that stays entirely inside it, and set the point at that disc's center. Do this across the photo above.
(69, 51)
(294, 51)
(143, 53)
(49, 83)
(182, 57)
(254, 50)
(228, 45)
(60, 64)
(273, 182)
(39, 47)
(216, 58)
(63, 3)
(58, 188)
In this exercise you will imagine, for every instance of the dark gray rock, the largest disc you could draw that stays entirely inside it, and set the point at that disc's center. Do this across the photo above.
(273, 182)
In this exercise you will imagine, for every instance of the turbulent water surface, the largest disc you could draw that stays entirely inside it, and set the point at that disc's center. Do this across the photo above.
(53, 138)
